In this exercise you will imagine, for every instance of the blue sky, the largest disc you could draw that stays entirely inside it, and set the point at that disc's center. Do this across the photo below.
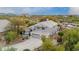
(40, 10)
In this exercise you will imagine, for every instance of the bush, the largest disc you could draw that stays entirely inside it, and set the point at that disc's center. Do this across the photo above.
(8, 49)
(76, 47)
(47, 44)
(10, 36)
(71, 37)
(60, 48)
(60, 33)
(43, 38)
(26, 50)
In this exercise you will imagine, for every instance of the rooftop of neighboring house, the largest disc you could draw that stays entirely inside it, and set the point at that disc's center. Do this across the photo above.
(3, 24)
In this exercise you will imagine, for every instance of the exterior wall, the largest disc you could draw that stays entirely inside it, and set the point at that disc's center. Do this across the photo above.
(50, 31)
(36, 36)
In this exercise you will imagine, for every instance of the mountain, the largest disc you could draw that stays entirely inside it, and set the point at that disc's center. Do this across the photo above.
(7, 14)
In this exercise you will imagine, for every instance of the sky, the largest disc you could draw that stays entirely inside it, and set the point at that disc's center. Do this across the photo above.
(41, 10)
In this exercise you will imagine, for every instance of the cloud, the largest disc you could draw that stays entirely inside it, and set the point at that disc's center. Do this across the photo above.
(37, 10)
(74, 11)
(46, 10)
(25, 10)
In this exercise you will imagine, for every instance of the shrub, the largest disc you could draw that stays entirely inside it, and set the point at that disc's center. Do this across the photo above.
(60, 33)
(8, 48)
(10, 36)
(26, 50)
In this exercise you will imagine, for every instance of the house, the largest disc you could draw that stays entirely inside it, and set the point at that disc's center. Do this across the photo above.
(3, 27)
(45, 28)
(35, 32)
(68, 25)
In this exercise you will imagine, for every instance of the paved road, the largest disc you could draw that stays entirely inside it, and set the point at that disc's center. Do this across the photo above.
(28, 44)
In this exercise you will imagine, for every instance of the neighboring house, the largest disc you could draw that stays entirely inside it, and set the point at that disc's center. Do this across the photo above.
(45, 28)
(3, 27)
(68, 25)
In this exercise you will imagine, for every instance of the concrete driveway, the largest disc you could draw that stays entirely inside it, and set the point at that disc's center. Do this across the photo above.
(31, 44)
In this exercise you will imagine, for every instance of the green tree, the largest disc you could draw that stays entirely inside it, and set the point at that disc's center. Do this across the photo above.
(30, 23)
(17, 23)
(60, 36)
(60, 33)
(71, 37)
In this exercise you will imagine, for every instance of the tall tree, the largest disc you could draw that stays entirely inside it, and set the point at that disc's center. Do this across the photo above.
(17, 23)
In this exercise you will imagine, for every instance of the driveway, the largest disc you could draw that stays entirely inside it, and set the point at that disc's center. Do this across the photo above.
(31, 44)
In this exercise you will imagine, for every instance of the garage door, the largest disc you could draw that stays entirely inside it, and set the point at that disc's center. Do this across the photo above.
(36, 36)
